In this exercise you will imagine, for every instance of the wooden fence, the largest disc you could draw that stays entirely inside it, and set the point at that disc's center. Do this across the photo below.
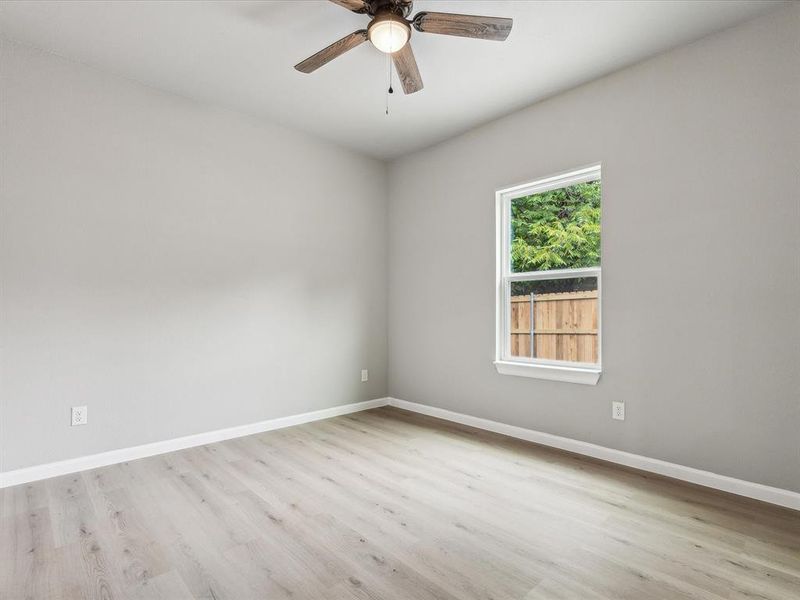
(560, 326)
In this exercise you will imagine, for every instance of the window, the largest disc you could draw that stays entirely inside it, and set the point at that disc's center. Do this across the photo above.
(548, 278)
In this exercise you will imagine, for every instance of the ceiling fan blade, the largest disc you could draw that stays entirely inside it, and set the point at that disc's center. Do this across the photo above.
(484, 28)
(354, 5)
(348, 42)
(407, 70)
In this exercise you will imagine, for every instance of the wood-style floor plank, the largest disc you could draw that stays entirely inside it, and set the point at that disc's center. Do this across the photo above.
(387, 504)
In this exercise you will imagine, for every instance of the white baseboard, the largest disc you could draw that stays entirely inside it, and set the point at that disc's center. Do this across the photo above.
(749, 489)
(82, 463)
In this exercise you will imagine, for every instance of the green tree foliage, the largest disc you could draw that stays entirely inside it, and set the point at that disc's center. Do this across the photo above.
(558, 229)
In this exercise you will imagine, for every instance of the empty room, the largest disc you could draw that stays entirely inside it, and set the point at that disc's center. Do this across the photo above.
(393, 300)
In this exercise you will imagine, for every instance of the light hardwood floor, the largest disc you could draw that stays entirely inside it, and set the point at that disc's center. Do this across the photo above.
(387, 504)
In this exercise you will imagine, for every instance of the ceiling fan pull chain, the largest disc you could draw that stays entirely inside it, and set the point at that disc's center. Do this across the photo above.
(389, 90)
(389, 57)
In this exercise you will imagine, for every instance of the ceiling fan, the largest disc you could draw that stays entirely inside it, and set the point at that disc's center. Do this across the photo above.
(389, 30)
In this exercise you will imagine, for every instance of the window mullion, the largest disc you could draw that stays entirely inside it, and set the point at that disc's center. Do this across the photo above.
(554, 274)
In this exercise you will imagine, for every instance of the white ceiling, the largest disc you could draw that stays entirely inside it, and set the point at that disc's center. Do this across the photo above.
(240, 55)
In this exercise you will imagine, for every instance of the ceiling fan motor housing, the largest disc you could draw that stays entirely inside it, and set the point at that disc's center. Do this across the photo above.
(398, 7)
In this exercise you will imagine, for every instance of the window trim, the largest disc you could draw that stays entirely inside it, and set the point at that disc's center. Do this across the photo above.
(586, 373)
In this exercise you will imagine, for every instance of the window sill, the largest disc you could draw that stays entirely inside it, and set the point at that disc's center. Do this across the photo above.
(551, 372)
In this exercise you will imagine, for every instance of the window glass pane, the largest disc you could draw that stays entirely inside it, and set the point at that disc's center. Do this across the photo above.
(557, 229)
(555, 319)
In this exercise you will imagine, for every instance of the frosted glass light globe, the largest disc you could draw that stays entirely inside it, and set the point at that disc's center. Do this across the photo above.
(389, 34)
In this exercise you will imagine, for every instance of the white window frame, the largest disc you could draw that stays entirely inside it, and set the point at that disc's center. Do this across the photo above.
(573, 372)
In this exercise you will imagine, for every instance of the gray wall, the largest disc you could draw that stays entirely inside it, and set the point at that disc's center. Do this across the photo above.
(175, 267)
(701, 275)
(180, 268)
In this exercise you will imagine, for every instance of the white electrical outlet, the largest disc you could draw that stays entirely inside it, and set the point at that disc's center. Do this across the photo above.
(364, 375)
(80, 415)
(618, 411)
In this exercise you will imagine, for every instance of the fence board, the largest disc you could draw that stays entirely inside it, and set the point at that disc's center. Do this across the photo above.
(565, 326)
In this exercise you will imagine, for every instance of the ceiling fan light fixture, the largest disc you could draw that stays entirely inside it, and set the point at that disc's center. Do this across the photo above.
(389, 32)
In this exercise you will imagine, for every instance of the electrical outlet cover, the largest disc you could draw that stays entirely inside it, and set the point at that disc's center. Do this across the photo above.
(364, 375)
(80, 415)
(618, 411)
